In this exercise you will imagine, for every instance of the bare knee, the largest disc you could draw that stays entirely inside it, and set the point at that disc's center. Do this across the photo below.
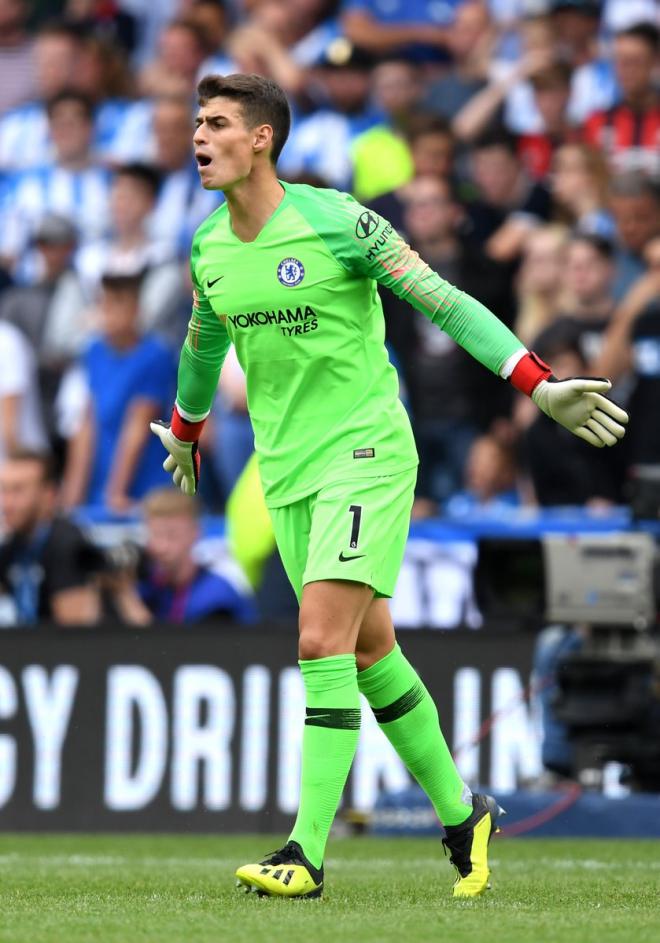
(331, 613)
(376, 637)
(314, 643)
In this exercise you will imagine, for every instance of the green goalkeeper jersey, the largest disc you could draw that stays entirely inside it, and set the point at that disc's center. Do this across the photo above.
(300, 304)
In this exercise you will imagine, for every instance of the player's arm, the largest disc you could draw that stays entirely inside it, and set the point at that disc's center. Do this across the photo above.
(202, 356)
(576, 403)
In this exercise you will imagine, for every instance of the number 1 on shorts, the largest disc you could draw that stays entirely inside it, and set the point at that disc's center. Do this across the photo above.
(356, 511)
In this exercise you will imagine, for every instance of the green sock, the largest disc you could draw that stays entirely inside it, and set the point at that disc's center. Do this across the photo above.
(332, 728)
(408, 717)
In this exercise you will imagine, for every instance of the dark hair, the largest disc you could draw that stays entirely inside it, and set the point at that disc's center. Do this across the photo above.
(646, 32)
(560, 337)
(496, 137)
(43, 459)
(146, 174)
(423, 124)
(62, 29)
(71, 95)
(122, 281)
(190, 27)
(556, 75)
(635, 183)
(262, 101)
(599, 244)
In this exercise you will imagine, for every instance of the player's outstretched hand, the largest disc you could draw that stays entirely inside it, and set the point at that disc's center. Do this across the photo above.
(579, 405)
(183, 460)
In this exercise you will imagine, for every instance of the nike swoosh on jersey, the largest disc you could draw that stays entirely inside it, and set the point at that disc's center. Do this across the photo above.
(210, 283)
(343, 559)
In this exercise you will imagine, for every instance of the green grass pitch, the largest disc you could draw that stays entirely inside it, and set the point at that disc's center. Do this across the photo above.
(168, 889)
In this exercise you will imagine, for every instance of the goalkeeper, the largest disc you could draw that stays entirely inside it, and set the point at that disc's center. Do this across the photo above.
(288, 273)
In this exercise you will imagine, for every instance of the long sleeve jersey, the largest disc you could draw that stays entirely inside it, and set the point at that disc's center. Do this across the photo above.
(300, 304)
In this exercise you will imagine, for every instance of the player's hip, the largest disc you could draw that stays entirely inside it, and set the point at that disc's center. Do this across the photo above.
(354, 529)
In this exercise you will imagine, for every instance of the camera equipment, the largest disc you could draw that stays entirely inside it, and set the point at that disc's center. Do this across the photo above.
(608, 693)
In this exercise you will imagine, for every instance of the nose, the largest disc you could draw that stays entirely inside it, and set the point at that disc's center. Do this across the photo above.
(199, 136)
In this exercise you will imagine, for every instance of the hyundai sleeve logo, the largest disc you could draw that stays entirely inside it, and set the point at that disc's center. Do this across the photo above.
(367, 224)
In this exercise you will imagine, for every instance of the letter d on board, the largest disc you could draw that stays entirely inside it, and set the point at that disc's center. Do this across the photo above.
(132, 782)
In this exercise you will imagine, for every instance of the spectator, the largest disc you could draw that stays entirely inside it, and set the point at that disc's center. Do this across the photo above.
(633, 343)
(160, 134)
(511, 96)
(21, 422)
(24, 130)
(470, 42)
(492, 103)
(635, 201)
(432, 148)
(116, 25)
(452, 401)
(265, 45)
(211, 19)
(182, 203)
(416, 29)
(103, 76)
(113, 459)
(174, 586)
(563, 469)
(552, 645)
(321, 142)
(181, 51)
(51, 312)
(47, 567)
(131, 247)
(550, 84)
(540, 283)
(589, 303)
(616, 353)
(629, 132)
(593, 85)
(509, 205)
(490, 477)
(381, 156)
(16, 48)
(73, 185)
(579, 189)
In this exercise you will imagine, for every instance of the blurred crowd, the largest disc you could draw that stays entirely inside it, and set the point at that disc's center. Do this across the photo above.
(515, 144)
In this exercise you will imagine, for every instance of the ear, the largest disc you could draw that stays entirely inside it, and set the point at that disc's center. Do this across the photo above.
(262, 137)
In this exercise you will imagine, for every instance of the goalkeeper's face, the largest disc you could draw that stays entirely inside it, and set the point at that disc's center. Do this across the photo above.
(226, 149)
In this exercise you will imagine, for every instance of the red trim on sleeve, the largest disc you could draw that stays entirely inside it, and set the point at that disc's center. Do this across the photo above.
(528, 373)
(183, 429)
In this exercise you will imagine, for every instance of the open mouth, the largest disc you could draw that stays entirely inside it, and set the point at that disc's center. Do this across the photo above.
(202, 160)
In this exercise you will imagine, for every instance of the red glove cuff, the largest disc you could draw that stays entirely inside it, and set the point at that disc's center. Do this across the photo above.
(528, 373)
(183, 429)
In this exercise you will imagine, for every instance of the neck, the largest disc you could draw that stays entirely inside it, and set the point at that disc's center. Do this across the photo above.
(252, 202)
(131, 239)
(183, 574)
(13, 36)
(440, 247)
(593, 307)
(75, 163)
(124, 341)
(640, 101)
(29, 530)
(586, 202)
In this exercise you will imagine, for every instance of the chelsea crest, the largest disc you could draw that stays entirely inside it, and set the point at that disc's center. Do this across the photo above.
(290, 272)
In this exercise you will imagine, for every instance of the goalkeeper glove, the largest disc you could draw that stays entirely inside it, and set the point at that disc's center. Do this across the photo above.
(181, 439)
(577, 403)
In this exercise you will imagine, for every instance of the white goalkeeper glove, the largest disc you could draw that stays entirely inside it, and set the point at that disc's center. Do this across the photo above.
(181, 439)
(577, 403)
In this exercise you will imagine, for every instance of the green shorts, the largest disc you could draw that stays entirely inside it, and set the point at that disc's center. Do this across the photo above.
(350, 530)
